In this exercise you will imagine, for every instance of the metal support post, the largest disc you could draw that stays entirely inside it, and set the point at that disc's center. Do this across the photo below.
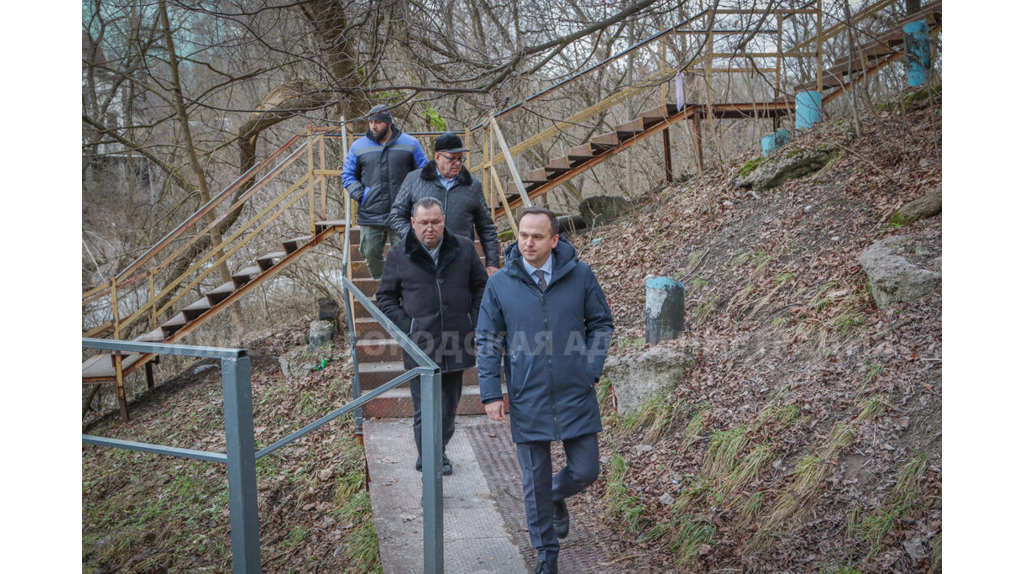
(668, 155)
(356, 386)
(697, 142)
(433, 524)
(241, 455)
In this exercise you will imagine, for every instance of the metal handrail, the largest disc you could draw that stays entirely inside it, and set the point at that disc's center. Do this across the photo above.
(240, 444)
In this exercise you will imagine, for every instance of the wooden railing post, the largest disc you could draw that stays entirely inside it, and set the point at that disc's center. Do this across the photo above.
(818, 50)
(311, 181)
(116, 314)
(323, 179)
(122, 401)
(152, 302)
(511, 164)
(485, 179)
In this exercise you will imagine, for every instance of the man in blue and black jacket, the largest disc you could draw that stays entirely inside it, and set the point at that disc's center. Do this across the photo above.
(374, 170)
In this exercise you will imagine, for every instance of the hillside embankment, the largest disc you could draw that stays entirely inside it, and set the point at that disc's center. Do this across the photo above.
(806, 435)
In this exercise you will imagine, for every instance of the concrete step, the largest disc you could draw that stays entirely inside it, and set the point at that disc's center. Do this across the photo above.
(397, 403)
(378, 351)
(375, 374)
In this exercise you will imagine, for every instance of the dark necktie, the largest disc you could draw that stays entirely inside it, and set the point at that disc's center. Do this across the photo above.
(540, 280)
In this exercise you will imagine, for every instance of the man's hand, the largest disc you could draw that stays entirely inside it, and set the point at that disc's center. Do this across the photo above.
(495, 410)
(491, 271)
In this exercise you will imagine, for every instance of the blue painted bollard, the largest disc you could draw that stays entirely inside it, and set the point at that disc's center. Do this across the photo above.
(919, 53)
(808, 109)
(772, 142)
(663, 310)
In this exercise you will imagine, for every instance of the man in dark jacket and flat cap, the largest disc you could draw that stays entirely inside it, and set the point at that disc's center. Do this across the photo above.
(431, 288)
(461, 194)
(375, 167)
(545, 313)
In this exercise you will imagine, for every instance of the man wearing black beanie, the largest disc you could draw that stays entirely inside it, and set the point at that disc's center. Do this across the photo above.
(374, 169)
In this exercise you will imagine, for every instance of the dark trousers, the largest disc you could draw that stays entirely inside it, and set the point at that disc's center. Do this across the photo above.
(451, 393)
(541, 490)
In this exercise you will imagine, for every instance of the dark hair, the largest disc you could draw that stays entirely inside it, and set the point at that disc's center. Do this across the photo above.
(535, 210)
(427, 203)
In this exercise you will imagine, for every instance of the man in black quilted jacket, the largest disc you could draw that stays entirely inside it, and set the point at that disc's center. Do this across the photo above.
(461, 194)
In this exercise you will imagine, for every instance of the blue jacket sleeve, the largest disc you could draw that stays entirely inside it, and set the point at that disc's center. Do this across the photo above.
(490, 345)
(597, 317)
(350, 176)
(417, 152)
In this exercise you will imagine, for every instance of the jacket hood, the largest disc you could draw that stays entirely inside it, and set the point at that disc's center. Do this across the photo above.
(429, 173)
(565, 260)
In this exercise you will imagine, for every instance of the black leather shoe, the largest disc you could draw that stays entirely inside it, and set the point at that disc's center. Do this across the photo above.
(561, 519)
(546, 567)
(419, 464)
(446, 465)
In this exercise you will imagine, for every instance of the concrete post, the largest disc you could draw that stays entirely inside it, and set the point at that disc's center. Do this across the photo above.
(664, 309)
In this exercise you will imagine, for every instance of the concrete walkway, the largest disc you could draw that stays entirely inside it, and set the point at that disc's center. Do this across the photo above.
(476, 538)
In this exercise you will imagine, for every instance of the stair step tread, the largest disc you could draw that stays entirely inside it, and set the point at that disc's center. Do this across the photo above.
(536, 175)
(388, 366)
(224, 288)
(274, 255)
(563, 162)
(175, 321)
(154, 336)
(610, 139)
(248, 271)
(203, 303)
(102, 365)
(293, 244)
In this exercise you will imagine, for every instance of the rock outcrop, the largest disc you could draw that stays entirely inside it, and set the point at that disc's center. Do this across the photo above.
(786, 164)
(601, 209)
(640, 377)
(893, 276)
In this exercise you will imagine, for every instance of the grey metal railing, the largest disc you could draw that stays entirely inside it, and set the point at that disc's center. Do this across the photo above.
(241, 455)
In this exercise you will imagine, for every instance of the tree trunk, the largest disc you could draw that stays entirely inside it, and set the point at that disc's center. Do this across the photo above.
(197, 169)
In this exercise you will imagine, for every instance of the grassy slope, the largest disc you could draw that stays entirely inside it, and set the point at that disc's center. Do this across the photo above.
(808, 436)
(148, 513)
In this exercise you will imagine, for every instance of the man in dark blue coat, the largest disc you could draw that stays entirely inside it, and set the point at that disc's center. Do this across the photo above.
(545, 313)
(431, 288)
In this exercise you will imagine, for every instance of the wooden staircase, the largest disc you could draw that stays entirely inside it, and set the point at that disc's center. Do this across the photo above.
(380, 357)
(627, 134)
(872, 55)
(102, 368)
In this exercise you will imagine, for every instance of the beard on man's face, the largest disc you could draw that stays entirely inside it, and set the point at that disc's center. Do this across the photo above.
(377, 137)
